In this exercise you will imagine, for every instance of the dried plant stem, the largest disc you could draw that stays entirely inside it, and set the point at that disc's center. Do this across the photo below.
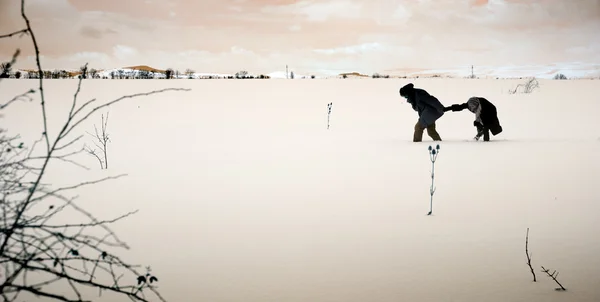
(529, 255)
(554, 276)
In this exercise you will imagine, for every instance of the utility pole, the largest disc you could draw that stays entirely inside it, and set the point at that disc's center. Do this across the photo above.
(286, 72)
(472, 74)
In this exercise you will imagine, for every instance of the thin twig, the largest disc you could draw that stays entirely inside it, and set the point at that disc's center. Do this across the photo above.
(529, 255)
(554, 276)
(18, 32)
(18, 97)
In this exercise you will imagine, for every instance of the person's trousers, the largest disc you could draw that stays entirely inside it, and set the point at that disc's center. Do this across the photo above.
(485, 132)
(419, 129)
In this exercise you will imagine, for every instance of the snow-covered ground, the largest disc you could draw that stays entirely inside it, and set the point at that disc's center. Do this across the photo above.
(244, 195)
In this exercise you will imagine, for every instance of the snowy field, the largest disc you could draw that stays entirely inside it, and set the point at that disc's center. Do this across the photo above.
(244, 195)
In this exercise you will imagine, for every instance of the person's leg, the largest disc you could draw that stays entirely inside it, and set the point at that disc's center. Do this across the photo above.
(418, 136)
(479, 131)
(433, 133)
(486, 134)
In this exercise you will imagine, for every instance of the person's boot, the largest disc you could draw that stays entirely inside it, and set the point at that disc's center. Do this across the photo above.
(418, 136)
(486, 135)
(433, 133)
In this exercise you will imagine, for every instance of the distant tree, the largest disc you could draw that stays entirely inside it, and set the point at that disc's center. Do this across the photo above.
(169, 73)
(143, 74)
(312, 76)
(93, 73)
(84, 72)
(18, 74)
(189, 73)
(241, 74)
(112, 75)
(5, 69)
(291, 75)
(177, 74)
(121, 73)
(344, 76)
(560, 76)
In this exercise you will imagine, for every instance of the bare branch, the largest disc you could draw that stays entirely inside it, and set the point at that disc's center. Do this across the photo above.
(93, 153)
(96, 223)
(554, 276)
(18, 32)
(17, 98)
(40, 72)
(39, 293)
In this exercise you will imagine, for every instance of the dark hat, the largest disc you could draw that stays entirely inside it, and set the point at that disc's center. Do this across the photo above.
(407, 90)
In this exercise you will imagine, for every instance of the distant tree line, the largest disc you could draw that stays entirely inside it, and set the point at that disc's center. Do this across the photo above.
(119, 74)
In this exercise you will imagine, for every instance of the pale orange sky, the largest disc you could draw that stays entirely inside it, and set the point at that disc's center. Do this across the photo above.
(263, 36)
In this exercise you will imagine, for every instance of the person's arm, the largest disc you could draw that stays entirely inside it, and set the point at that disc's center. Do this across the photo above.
(456, 107)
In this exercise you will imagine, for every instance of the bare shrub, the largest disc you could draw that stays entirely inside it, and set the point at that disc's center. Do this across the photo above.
(101, 141)
(93, 73)
(528, 87)
(189, 73)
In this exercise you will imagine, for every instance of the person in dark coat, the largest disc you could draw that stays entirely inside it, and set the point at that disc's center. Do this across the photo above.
(486, 116)
(429, 109)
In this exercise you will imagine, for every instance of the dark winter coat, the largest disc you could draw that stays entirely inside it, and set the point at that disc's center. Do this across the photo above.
(429, 107)
(485, 113)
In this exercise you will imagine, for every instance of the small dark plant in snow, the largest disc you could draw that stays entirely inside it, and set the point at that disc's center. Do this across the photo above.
(529, 256)
(329, 106)
(433, 154)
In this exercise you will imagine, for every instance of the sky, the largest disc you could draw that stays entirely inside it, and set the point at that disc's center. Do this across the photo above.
(262, 36)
